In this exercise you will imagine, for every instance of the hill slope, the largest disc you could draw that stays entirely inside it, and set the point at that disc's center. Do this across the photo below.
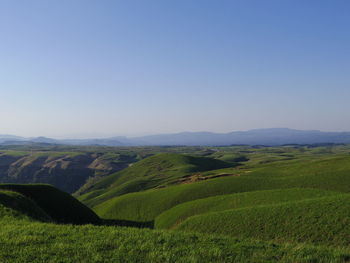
(58, 205)
(319, 221)
(67, 171)
(176, 215)
(153, 172)
(147, 205)
(14, 205)
(331, 174)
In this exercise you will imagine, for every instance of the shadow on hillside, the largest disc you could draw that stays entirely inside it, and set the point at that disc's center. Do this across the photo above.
(126, 223)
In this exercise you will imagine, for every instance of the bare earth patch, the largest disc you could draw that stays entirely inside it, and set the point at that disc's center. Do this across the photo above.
(199, 177)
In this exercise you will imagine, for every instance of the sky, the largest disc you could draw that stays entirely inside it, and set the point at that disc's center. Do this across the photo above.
(88, 68)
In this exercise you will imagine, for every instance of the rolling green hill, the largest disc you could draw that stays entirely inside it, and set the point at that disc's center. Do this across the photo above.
(176, 215)
(337, 165)
(324, 221)
(147, 205)
(14, 205)
(271, 208)
(327, 173)
(153, 172)
(58, 205)
(25, 239)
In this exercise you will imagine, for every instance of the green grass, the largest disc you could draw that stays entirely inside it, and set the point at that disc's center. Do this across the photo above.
(176, 215)
(327, 173)
(323, 221)
(58, 205)
(14, 153)
(155, 171)
(16, 205)
(24, 241)
(334, 165)
(230, 157)
(147, 205)
(284, 204)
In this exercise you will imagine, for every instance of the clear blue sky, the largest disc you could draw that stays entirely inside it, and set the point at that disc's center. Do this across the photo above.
(102, 68)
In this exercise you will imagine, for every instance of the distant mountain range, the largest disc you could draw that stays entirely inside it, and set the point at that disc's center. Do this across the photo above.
(268, 137)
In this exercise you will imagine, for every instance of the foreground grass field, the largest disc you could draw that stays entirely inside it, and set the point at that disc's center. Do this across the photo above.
(24, 241)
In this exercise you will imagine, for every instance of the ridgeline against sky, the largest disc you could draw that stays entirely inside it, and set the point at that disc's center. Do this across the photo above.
(103, 68)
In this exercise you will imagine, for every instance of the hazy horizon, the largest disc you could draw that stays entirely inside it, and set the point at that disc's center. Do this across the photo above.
(84, 69)
(107, 136)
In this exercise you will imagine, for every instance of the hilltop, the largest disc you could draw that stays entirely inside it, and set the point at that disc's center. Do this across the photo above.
(157, 171)
(59, 206)
(16, 205)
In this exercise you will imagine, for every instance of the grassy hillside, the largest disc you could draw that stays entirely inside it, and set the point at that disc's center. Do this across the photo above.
(176, 215)
(147, 205)
(327, 173)
(328, 164)
(279, 205)
(156, 171)
(25, 241)
(319, 221)
(14, 205)
(58, 205)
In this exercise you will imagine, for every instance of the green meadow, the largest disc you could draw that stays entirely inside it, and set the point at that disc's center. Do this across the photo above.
(324, 172)
(156, 171)
(27, 235)
(219, 204)
(323, 221)
(176, 215)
